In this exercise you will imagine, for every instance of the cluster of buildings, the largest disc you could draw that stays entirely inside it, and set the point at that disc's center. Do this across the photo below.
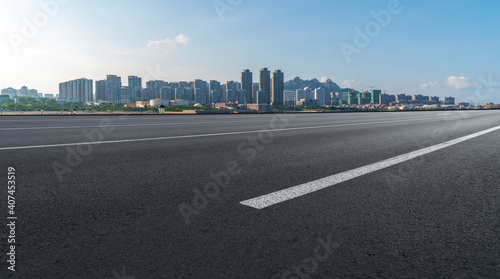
(377, 98)
(309, 97)
(24, 92)
(268, 91)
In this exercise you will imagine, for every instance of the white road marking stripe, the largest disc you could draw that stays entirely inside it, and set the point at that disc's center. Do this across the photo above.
(206, 135)
(313, 186)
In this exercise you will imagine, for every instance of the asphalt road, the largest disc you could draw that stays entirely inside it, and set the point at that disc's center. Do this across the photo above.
(160, 196)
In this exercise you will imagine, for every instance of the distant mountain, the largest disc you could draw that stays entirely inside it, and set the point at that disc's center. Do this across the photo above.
(298, 83)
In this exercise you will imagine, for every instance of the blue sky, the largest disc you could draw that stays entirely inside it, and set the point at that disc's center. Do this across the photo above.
(443, 48)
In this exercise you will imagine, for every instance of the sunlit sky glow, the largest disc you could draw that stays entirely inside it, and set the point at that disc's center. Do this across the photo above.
(442, 48)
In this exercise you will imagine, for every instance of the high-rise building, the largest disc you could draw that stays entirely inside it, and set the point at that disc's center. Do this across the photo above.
(449, 101)
(215, 92)
(78, 90)
(156, 86)
(289, 97)
(247, 82)
(255, 89)
(434, 98)
(231, 91)
(100, 90)
(201, 91)
(352, 98)
(262, 97)
(184, 93)
(147, 94)
(331, 99)
(85, 90)
(384, 99)
(392, 98)
(401, 98)
(343, 96)
(113, 87)
(216, 96)
(9, 91)
(304, 94)
(180, 94)
(63, 90)
(419, 98)
(126, 93)
(167, 93)
(24, 91)
(278, 88)
(135, 84)
(189, 93)
(364, 98)
(319, 96)
(223, 90)
(376, 96)
(242, 96)
(265, 83)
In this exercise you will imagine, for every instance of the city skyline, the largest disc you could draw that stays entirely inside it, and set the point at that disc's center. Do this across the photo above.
(160, 89)
(269, 91)
(483, 84)
(181, 40)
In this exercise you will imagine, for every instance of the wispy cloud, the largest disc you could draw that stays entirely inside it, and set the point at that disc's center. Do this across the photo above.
(181, 39)
(458, 82)
(428, 85)
(350, 83)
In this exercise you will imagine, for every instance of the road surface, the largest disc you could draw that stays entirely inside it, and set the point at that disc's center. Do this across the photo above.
(366, 195)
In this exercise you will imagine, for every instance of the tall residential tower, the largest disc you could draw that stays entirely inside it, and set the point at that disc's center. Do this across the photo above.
(113, 87)
(265, 83)
(278, 88)
(80, 90)
(246, 83)
(135, 85)
(100, 90)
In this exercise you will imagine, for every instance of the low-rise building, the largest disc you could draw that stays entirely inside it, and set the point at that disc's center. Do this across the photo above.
(142, 104)
(158, 102)
(258, 107)
(178, 102)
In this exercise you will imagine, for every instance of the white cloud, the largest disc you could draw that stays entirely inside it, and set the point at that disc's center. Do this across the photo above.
(350, 83)
(181, 39)
(430, 84)
(458, 82)
(323, 79)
